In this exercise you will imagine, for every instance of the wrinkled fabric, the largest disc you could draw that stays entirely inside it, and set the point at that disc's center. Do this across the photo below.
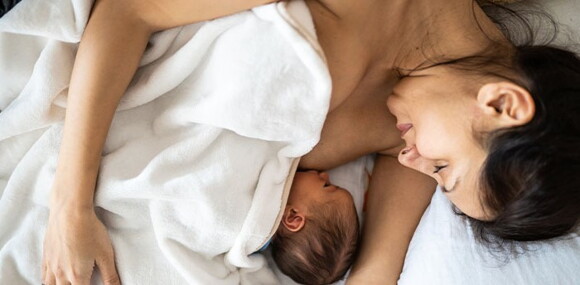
(200, 154)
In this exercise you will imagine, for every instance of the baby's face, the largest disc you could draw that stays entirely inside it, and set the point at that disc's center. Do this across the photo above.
(314, 188)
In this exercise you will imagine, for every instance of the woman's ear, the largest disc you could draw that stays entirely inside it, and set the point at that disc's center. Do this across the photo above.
(508, 103)
(293, 220)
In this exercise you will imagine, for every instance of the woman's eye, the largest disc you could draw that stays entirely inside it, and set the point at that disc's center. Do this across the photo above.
(438, 168)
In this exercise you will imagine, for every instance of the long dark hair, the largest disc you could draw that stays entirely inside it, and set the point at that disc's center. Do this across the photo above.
(530, 180)
(7, 5)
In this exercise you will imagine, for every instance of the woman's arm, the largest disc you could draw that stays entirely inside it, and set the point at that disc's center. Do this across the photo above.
(397, 198)
(110, 50)
(108, 55)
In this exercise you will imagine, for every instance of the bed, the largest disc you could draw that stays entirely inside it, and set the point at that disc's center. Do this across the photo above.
(160, 135)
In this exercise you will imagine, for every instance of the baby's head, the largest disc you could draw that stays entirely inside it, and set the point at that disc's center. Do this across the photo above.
(319, 232)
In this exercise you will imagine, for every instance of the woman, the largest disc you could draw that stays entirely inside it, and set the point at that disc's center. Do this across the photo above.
(456, 124)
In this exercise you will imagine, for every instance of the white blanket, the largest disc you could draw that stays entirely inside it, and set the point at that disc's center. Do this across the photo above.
(195, 169)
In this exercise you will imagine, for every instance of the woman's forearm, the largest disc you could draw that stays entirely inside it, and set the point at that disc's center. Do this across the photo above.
(397, 198)
(108, 56)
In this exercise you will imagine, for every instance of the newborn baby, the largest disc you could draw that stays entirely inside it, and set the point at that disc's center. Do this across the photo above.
(317, 238)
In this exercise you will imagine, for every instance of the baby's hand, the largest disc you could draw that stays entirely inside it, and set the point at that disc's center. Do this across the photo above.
(75, 242)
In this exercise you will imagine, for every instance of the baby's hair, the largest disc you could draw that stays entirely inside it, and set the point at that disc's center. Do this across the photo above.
(323, 251)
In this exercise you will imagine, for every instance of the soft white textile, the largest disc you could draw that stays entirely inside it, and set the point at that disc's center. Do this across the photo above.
(195, 167)
(444, 251)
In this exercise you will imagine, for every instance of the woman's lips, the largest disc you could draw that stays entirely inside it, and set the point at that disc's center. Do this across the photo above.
(404, 128)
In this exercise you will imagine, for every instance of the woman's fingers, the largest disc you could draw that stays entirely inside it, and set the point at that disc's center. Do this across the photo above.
(77, 279)
(108, 270)
(43, 270)
(58, 277)
(74, 244)
(50, 279)
(55, 277)
(61, 281)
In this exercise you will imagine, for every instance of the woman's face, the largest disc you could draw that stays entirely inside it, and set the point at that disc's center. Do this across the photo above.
(437, 117)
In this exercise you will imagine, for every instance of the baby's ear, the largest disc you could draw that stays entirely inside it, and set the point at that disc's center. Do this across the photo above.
(293, 220)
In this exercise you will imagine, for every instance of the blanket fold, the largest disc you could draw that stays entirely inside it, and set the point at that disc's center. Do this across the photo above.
(201, 153)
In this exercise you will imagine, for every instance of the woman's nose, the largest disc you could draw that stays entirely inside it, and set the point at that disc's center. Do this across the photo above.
(411, 158)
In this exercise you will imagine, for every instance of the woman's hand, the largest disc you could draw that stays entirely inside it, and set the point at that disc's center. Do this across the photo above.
(75, 242)
(108, 56)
